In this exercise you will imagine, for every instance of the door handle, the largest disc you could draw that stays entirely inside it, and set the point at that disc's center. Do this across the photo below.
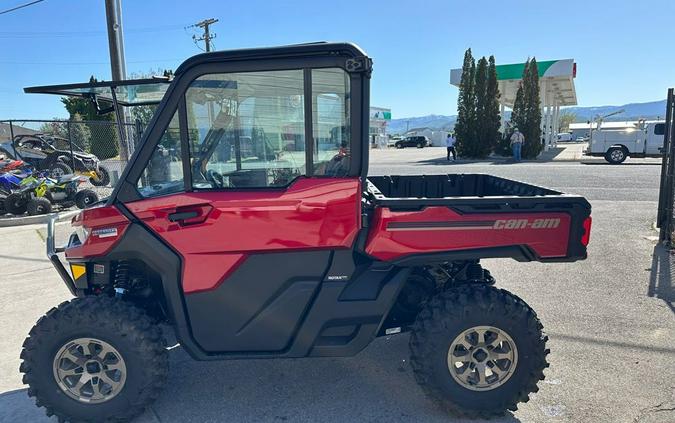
(178, 216)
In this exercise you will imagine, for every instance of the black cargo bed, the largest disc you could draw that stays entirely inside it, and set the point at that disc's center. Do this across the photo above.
(477, 191)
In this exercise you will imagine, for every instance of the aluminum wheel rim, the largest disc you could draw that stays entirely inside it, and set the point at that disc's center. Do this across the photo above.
(617, 155)
(482, 358)
(89, 370)
(57, 172)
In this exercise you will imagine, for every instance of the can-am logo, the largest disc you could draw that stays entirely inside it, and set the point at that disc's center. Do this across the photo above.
(526, 224)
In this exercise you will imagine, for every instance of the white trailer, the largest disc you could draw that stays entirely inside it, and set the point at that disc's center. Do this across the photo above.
(644, 139)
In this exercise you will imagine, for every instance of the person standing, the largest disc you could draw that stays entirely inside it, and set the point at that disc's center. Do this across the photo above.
(450, 144)
(517, 140)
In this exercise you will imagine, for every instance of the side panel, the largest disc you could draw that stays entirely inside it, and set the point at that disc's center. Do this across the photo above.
(261, 303)
(311, 213)
(396, 234)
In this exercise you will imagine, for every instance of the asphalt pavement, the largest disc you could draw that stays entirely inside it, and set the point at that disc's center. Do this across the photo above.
(611, 320)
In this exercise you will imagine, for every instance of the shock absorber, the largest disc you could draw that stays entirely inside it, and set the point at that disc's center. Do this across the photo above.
(121, 277)
(474, 271)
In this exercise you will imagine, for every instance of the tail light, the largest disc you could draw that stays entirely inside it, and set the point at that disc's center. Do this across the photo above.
(587, 231)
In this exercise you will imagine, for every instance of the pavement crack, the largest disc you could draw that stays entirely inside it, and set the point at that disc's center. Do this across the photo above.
(650, 410)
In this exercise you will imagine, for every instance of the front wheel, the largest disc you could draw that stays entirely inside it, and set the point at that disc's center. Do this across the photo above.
(478, 351)
(102, 177)
(420, 145)
(59, 169)
(85, 198)
(16, 203)
(38, 205)
(399, 145)
(616, 155)
(94, 359)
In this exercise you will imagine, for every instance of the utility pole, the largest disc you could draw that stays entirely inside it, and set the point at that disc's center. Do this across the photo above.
(207, 36)
(113, 14)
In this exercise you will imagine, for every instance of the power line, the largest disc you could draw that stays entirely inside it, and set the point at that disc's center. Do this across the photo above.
(21, 6)
(64, 34)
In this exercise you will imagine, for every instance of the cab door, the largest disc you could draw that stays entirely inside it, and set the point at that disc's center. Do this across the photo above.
(266, 189)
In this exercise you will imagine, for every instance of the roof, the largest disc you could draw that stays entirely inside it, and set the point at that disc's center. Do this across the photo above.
(555, 75)
(6, 134)
(140, 92)
(130, 92)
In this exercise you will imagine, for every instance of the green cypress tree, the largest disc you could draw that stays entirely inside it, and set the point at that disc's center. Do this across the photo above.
(481, 147)
(465, 131)
(532, 112)
(493, 114)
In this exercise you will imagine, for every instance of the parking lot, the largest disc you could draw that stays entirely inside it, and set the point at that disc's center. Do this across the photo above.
(611, 320)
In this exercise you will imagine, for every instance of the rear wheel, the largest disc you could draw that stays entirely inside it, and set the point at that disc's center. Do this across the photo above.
(85, 198)
(616, 155)
(478, 350)
(59, 169)
(420, 145)
(16, 203)
(102, 177)
(38, 205)
(94, 359)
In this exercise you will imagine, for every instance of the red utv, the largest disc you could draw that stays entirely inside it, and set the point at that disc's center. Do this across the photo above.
(292, 252)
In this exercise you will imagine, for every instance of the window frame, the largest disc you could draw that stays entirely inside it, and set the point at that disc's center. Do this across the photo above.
(174, 99)
(309, 123)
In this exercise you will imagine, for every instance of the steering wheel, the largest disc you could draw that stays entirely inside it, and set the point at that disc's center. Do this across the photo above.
(215, 178)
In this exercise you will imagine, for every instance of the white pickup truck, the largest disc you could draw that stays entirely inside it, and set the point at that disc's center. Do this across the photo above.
(644, 139)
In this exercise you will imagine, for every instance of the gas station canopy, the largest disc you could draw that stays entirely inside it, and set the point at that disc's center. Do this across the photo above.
(556, 87)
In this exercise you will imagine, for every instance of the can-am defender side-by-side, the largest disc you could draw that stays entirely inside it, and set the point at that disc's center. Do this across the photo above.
(261, 236)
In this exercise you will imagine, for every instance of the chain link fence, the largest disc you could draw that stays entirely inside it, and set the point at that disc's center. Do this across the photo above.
(80, 144)
(665, 219)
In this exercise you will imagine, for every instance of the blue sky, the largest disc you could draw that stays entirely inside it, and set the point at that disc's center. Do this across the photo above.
(620, 46)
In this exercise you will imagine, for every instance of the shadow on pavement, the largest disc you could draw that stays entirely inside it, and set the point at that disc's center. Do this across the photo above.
(15, 406)
(661, 276)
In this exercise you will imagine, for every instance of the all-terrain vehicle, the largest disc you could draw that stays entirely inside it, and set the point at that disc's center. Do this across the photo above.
(53, 154)
(37, 195)
(299, 254)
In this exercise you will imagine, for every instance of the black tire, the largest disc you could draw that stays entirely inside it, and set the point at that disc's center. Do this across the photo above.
(85, 198)
(125, 327)
(616, 155)
(103, 177)
(453, 312)
(3, 211)
(399, 145)
(38, 205)
(16, 203)
(420, 145)
(58, 169)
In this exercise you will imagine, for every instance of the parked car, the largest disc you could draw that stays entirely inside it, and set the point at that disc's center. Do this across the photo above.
(581, 139)
(565, 137)
(242, 263)
(414, 141)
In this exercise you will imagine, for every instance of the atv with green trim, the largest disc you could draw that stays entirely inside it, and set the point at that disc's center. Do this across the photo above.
(36, 195)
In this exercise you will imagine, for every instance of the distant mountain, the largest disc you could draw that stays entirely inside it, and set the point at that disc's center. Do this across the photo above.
(435, 122)
(633, 111)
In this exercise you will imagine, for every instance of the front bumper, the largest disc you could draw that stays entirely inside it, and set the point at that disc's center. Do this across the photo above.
(52, 254)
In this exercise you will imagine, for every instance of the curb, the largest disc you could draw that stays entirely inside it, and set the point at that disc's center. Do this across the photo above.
(34, 220)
